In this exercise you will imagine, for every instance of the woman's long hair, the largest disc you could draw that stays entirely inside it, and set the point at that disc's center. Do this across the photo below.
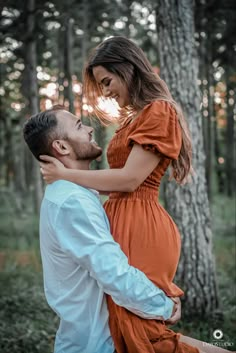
(122, 57)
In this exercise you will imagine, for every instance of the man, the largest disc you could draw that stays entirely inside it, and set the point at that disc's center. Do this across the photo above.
(80, 259)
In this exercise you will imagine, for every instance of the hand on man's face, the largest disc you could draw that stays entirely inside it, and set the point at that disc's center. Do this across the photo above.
(176, 314)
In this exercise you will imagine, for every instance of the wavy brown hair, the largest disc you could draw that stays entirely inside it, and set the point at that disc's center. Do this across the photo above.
(122, 57)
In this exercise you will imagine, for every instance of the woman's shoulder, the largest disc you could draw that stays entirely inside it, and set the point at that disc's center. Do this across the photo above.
(158, 127)
(158, 106)
(158, 112)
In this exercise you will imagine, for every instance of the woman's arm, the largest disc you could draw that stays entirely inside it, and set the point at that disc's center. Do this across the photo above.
(103, 192)
(138, 167)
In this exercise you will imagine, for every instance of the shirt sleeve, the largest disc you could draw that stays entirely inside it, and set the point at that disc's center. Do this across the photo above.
(158, 130)
(83, 233)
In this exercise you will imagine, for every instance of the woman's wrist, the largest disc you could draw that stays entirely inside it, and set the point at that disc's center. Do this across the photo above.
(65, 174)
(68, 174)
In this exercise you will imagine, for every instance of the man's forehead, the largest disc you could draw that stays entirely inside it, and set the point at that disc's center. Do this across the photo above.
(64, 114)
(65, 117)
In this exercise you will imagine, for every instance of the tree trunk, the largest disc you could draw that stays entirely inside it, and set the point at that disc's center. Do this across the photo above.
(203, 52)
(31, 65)
(128, 15)
(210, 105)
(229, 141)
(100, 137)
(9, 155)
(68, 61)
(2, 150)
(188, 205)
(210, 117)
(84, 46)
(19, 166)
(217, 153)
(85, 38)
(60, 63)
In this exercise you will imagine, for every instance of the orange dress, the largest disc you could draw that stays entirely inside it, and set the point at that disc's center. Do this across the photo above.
(144, 230)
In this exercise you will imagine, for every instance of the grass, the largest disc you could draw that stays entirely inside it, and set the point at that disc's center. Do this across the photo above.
(28, 325)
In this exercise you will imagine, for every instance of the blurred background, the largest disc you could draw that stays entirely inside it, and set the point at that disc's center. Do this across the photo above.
(44, 46)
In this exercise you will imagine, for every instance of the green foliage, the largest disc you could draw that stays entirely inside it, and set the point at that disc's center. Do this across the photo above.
(18, 229)
(27, 324)
(223, 215)
(224, 248)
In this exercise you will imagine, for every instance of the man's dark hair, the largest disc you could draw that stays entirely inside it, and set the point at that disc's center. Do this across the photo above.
(40, 130)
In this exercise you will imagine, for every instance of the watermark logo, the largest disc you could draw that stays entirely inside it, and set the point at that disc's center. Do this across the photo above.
(218, 334)
(218, 340)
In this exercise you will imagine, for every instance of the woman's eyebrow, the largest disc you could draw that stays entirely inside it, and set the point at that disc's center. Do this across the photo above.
(102, 81)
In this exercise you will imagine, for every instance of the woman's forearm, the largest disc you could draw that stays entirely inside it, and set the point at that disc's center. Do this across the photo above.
(104, 193)
(137, 168)
(104, 180)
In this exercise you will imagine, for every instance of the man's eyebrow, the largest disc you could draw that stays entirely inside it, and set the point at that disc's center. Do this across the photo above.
(78, 121)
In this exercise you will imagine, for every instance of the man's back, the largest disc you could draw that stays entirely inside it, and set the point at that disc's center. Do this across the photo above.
(70, 289)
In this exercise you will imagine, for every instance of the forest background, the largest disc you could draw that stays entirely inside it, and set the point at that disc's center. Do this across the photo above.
(44, 46)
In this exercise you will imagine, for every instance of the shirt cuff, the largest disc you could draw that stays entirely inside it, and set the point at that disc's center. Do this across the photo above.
(168, 309)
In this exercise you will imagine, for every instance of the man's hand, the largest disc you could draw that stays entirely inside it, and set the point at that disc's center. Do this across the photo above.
(176, 314)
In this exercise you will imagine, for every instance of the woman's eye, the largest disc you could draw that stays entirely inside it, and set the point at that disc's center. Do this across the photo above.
(106, 83)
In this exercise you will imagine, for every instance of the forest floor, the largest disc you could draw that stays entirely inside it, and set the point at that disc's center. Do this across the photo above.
(28, 325)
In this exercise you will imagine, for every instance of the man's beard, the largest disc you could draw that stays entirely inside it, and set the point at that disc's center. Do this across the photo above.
(86, 151)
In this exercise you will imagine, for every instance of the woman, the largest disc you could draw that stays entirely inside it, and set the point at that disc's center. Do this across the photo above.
(152, 136)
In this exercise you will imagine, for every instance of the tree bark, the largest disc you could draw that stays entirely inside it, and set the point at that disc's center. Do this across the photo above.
(19, 166)
(68, 61)
(2, 149)
(85, 28)
(100, 136)
(9, 155)
(84, 45)
(188, 205)
(230, 158)
(128, 15)
(210, 117)
(31, 72)
(60, 63)
(217, 153)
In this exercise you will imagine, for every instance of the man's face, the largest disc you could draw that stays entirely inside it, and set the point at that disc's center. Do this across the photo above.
(78, 136)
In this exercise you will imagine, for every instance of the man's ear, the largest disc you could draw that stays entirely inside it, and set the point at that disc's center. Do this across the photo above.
(61, 147)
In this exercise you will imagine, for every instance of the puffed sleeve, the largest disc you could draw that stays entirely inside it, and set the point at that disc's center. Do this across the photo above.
(158, 129)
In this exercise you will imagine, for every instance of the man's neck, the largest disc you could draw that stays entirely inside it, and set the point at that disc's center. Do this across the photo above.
(71, 164)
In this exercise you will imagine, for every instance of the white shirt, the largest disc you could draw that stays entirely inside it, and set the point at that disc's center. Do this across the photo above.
(81, 261)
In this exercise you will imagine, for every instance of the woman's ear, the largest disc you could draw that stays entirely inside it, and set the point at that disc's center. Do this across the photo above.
(61, 147)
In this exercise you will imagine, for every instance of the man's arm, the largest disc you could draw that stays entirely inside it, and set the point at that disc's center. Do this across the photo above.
(83, 232)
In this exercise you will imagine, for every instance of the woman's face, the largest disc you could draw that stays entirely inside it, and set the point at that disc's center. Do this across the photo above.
(112, 86)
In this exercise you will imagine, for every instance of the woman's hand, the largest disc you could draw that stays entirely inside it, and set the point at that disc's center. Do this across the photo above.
(52, 169)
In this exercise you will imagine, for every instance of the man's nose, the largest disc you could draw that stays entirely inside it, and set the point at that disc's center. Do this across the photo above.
(90, 129)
